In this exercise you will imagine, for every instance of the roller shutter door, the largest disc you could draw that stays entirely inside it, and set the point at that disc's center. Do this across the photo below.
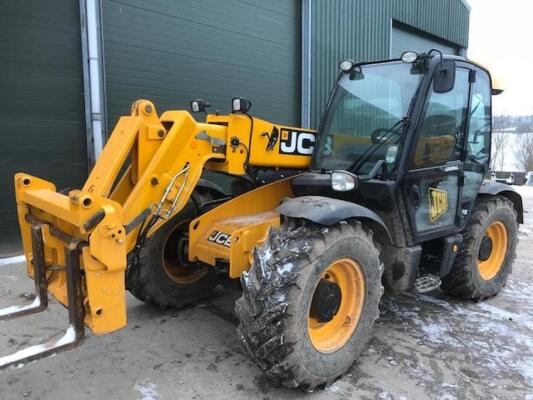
(406, 39)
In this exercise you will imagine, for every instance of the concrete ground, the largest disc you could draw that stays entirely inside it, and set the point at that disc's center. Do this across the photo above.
(424, 346)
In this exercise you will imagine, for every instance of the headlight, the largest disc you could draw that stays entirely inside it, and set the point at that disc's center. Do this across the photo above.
(342, 181)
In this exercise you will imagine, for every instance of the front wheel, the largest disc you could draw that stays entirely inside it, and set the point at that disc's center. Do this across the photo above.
(489, 248)
(309, 301)
(163, 275)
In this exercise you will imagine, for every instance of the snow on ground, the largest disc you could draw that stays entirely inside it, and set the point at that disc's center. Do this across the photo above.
(147, 391)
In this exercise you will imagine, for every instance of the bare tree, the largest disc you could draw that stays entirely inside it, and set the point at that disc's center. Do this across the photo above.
(501, 126)
(499, 142)
(503, 122)
(524, 151)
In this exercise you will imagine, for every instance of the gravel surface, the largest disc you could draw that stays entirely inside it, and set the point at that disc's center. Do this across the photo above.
(424, 346)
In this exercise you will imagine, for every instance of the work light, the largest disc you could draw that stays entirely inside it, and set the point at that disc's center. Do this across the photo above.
(240, 105)
(198, 105)
(346, 65)
(409, 56)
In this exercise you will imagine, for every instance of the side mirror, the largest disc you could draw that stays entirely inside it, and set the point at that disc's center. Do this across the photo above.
(444, 76)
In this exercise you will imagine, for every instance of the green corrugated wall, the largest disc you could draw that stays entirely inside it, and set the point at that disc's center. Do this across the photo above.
(42, 117)
(174, 51)
(361, 30)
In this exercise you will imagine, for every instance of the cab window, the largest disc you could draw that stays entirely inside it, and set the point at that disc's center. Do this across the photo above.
(479, 128)
(442, 130)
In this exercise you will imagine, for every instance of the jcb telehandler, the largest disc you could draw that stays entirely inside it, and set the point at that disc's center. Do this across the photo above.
(389, 191)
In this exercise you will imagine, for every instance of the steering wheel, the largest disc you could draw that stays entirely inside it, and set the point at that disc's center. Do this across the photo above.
(380, 135)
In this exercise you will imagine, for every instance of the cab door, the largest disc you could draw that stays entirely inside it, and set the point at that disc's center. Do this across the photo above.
(435, 173)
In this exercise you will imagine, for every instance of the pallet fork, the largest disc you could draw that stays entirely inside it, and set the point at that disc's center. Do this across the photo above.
(75, 332)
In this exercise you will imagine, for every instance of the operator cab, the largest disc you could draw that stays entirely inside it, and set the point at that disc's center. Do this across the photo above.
(407, 131)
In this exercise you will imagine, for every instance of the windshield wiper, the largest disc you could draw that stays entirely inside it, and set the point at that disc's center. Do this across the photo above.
(399, 126)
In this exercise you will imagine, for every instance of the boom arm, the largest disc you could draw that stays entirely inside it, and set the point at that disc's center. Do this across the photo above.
(147, 170)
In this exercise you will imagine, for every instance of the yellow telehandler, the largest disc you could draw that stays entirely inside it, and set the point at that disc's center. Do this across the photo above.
(389, 192)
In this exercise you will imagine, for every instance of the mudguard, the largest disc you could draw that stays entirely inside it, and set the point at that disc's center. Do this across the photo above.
(328, 211)
(497, 188)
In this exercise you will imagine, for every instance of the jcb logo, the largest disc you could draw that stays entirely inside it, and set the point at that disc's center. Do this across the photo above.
(296, 142)
(220, 238)
(438, 203)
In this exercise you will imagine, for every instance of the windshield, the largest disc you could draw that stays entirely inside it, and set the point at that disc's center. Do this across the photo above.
(364, 122)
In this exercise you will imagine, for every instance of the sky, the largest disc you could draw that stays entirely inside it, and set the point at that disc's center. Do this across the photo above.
(501, 32)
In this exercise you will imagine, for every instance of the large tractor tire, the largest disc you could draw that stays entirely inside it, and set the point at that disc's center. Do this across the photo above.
(488, 251)
(309, 301)
(162, 275)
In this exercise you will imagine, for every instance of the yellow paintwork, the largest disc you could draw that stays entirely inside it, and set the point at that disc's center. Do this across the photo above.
(438, 203)
(139, 164)
(240, 126)
(488, 269)
(246, 218)
(105, 302)
(106, 253)
(340, 140)
(433, 150)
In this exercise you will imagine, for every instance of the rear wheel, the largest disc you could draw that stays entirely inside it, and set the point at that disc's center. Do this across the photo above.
(489, 248)
(163, 275)
(309, 301)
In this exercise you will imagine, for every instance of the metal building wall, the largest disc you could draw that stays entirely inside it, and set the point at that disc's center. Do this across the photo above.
(42, 119)
(174, 51)
(361, 30)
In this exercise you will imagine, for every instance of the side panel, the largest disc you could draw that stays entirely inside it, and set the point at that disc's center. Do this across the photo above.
(205, 242)
(261, 143)
(281, 146)
(233, 239)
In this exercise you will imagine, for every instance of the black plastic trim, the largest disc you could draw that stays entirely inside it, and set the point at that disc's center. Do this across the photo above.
(328, 211)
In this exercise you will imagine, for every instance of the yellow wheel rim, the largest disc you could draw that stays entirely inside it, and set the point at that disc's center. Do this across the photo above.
(183, 275)
(489, 268)
(330, 336)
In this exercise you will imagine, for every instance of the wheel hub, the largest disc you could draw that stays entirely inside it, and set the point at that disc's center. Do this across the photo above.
(337, 305)
(492, 250)
(176, 261)
(182, 251)
(485, 249)
(326, 301)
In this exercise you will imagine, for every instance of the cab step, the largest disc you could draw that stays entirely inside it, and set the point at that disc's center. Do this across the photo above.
(427, 283)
